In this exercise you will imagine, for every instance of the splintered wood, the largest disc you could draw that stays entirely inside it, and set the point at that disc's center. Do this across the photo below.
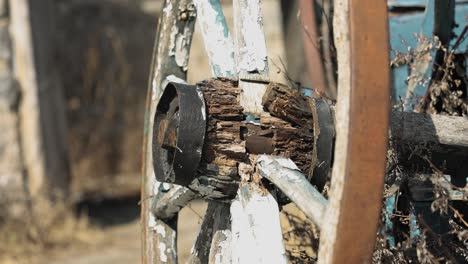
(286, 129)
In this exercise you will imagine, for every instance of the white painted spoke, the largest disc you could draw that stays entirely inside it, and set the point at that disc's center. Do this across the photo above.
(287, 176)
(256, 230)
(212, 244)
(252, 57)
(216, 37)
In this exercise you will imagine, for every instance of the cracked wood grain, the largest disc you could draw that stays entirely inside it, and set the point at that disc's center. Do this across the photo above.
(170, 57)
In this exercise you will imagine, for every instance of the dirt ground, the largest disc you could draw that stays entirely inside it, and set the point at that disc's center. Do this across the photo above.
(117, 241)
(117, 238)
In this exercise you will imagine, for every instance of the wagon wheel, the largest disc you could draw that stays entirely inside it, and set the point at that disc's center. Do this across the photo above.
(362, 123)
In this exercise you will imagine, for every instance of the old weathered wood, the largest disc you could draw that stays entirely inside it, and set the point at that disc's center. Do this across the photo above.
(221, 243)
(168, 205)
(438, 133)
(256, 230)
(288, 178)
(42, 109)
(422, 188)
(252, 57)
(170, 57)
(214, 234)
(223, 147)
(251, 54)
(217, 39)
(288, 129)
(352, 217)
(230, 139)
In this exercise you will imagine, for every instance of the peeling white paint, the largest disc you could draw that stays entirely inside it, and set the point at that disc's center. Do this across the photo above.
(180, 45)
(294, 185)
(256, 230)
(173, 78)
(252, 52)
(160, 230)
(162, 252)
(168, 8)
(151, 221)
(283, 162)
(251, 97)
(223, 254)
(218, 42)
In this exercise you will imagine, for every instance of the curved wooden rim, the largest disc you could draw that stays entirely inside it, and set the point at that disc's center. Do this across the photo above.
(361, 37)
(170, 59)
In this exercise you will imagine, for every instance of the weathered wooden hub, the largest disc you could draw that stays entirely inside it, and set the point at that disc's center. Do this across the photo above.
(286, 128)
(202, 135)
(179, 126)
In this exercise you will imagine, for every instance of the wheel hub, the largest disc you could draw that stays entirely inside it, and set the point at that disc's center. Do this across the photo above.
(179, 133)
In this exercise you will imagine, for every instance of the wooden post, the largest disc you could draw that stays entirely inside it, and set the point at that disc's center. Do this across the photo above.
(42, 109)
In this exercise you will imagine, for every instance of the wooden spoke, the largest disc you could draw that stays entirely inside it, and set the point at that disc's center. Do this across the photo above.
(168, 205)
(256, 230)
(220, 250)
(251, 54)
(216, 37)
(252, 57)
(287, 176)
(361, 39)
(170, 57)
(212, 244)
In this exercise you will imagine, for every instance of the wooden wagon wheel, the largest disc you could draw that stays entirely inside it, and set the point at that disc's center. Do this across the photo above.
(349, 224)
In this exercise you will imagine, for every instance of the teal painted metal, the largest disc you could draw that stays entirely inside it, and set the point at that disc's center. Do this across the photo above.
(390, 205)
(404, 32)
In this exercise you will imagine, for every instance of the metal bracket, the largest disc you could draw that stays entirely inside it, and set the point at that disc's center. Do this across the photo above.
(324, 135)
(179, 133)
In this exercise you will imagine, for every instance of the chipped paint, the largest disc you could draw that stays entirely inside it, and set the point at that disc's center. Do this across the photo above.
(223, 252)
(152, 221)
(218, 42)
(179, 46)
(252, 52)
(160, 230)
(251, 97)
(167, 10)
(256, 231)
(288, 178)
(156, 247)
(283, 162)
(162, 252)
